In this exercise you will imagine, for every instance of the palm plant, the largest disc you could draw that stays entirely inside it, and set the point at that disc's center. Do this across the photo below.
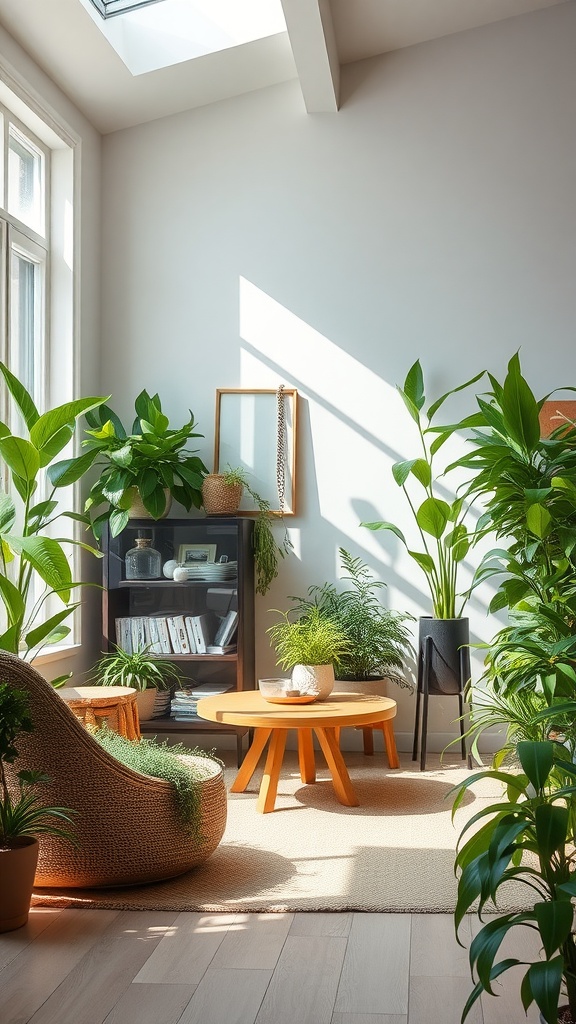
(26, 552)
(379, 640)
(444, 537)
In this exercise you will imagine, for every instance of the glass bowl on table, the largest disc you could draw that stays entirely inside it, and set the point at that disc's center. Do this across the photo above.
(283, 691)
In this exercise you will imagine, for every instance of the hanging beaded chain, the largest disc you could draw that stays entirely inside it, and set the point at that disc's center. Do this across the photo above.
(281, 448)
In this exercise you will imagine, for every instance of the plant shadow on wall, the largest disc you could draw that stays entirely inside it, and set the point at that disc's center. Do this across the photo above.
(34, 567)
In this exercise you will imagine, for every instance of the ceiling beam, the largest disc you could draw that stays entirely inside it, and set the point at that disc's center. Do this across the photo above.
(311, 34)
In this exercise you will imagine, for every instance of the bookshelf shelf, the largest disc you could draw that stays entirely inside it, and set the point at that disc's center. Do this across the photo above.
(163, 599)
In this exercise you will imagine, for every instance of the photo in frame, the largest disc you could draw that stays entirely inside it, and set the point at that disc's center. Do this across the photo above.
(192, 554)
(554, 414)
(256, 431)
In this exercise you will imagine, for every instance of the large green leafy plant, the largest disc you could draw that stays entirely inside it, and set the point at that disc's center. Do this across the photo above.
(27, 551)
(379, 640)
(23, 814)
(535, 819)
(150, 459)
(444, 536)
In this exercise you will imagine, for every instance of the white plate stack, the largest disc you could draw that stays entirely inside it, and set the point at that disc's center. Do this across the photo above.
(215, 572)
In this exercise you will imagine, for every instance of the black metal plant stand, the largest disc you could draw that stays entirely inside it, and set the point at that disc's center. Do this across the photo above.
(443, 669)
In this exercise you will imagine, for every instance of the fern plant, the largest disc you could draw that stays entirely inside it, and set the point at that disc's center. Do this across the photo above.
(379, 641)
(312, 639)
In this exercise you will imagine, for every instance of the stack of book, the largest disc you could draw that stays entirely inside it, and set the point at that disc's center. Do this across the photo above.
(184, 704)
(177, 634)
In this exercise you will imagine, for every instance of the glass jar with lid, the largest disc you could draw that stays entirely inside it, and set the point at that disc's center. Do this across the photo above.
(143, 562)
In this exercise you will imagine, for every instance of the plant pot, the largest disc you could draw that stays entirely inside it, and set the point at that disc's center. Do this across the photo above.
(446, 641)
(220, 498)
(137, 509)
(145, 703)
(17, 869)
(314, 679)
(369, 687)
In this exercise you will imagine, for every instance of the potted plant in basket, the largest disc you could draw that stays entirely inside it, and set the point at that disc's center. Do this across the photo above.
(444, 539)
(536, 816)
(310, 647)
(221, 495)
(379, 640)
(142, 670)
(141, 472)
(34, 567)
(23, 816)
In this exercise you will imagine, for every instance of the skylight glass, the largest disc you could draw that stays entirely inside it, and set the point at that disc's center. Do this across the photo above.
(152, 34)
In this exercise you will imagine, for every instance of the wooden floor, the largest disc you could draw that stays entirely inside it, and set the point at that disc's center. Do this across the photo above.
(91, 966)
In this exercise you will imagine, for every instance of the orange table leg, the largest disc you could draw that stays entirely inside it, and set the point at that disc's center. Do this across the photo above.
(368, 736)
(390, 742)
(306, 756)
(269, 786)
(250, 762)
(340, 778)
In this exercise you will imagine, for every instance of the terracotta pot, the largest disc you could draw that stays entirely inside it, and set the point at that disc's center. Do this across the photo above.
(137, 509)
(145, 703)
(17, 869)
(220, 498)
(317, 679)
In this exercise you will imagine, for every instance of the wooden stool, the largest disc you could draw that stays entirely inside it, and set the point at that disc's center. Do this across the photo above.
(116, 705)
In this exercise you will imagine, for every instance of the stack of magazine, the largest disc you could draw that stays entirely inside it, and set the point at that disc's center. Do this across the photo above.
(184, 704)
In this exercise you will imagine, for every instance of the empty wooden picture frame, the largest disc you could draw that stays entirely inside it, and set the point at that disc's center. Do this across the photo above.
(256, 430)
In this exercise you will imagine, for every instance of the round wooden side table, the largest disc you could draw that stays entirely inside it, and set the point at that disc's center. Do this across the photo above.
(116, 705)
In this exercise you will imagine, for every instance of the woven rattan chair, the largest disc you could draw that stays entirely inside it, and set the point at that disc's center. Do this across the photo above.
(127, 827)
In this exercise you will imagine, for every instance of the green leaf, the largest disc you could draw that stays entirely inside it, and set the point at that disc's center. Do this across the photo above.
(520, 408)
(425, 561)
(414, 385)
(551, 828)
(440, 401)
(412, 409)
(21, 456)
(55, 445)
(12, 598)
(401, 471)
(536, 760)
(67, 472)
(385, 526)
(48, 559)
(51, 422)
(432, 516)
(35, 636)
(554, 919)
(421, 470)
(20, 395)
(122, 456)
(538, 520)
(7, 513)
(545, 980)
(118, 521)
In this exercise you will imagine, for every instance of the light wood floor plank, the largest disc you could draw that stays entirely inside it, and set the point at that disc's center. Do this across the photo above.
(304, 985)
(31, 978)
(368, 1018)
(227, 997)
(12, 943)
(150, 1004)
(321, 924)
(375, 973)
(441, 1000)
(94, 986)
(253, 942)
(182, 957)
(434, 949)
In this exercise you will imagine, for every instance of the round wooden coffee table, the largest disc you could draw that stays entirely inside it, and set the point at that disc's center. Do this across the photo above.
(114, 704)
(271, 723)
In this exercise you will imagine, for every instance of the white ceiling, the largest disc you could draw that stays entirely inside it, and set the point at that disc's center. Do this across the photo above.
(322, 35)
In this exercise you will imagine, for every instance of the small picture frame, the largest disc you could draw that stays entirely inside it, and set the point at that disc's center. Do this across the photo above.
(194, 554)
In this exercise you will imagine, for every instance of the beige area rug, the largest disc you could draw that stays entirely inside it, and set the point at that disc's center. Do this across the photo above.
(394, 852)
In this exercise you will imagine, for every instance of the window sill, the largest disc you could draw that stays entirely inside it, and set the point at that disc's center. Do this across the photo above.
(57, 654)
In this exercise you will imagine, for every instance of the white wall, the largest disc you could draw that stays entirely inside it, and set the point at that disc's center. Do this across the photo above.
(248, 243)
(28, 80)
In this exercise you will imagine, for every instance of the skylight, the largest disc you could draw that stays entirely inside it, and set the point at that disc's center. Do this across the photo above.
(152, 34)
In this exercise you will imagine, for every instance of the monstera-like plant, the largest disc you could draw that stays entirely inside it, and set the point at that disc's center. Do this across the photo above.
(29, 550)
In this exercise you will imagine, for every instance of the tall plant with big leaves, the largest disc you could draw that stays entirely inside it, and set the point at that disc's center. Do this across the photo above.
(527, 485)
(27, 551)
(444, 536)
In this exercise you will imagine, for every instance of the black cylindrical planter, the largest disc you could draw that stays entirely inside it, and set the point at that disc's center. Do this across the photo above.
(448, 654)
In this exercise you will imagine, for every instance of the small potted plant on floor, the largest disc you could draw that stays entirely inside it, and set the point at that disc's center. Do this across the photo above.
(535, 816)
(141, 670)
(379, 640)
(23, 816)
(310, 647)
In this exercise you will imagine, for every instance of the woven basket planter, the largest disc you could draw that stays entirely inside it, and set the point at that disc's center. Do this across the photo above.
(220, 498)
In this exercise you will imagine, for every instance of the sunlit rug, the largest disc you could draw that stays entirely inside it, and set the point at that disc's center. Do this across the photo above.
(394, 852)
